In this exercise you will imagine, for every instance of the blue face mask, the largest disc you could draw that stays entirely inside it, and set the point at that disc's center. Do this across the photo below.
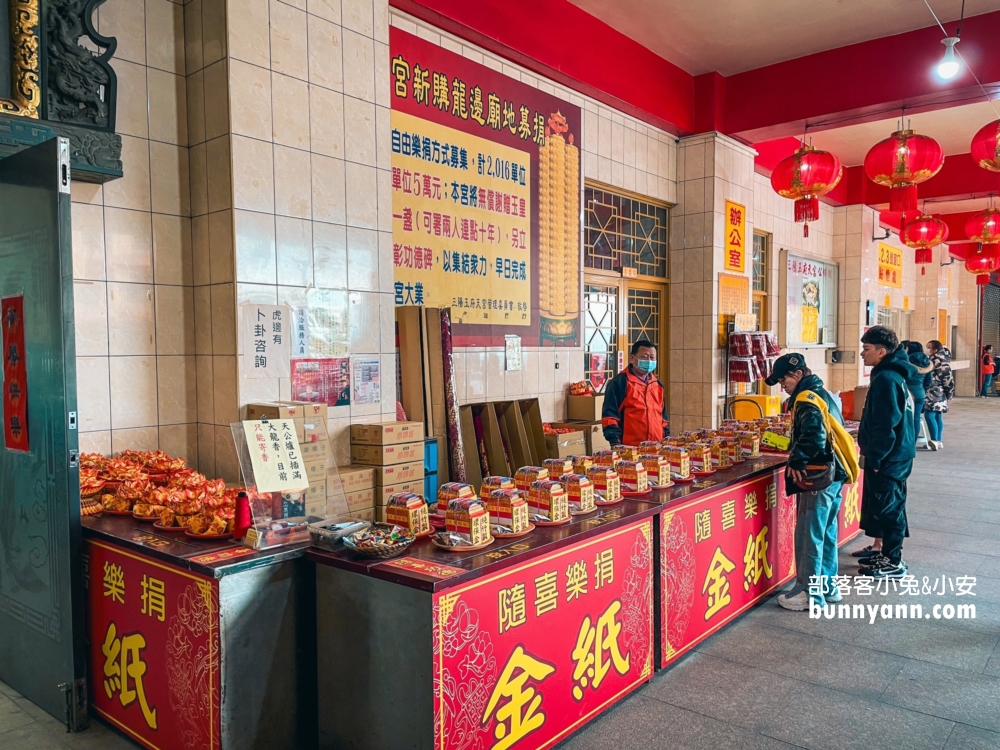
(647, 366)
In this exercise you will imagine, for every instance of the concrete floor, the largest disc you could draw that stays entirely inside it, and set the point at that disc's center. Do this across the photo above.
(778, 679)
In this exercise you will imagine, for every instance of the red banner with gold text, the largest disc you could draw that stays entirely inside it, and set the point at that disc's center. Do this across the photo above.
(15, 375)
(524, 658)
(154, 649)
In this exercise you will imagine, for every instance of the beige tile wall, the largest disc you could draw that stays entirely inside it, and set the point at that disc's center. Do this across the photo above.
(132, 251)
(617, 150)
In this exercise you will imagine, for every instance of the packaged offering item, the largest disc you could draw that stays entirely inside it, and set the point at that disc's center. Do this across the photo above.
(648, 446)
(558, 466)
(657, 469)
(548, 498)
(408, 510)
(579, 492)
(632, 475)
(720, 454)
(528, 474)
(627, 452)
(508, 508)
(606, 458)
(378, 541)
(449, 491)
(469, 519)
(581, 464)
(607, 485)
(749, 444)
(679, 459)
(701, 456)
(494, 483)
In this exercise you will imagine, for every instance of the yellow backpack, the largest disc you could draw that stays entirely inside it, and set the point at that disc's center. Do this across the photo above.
(840, 439)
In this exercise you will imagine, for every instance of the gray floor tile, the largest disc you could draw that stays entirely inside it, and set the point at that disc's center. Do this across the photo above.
(753, 697)
(31, 737)
(823, 719)
(932, 642)
(986, 516)
(993, 666)
(990, 566)
(934, 559)
(947, 693)
(12, 716)
(842, 666)
(964, 737)
(769, 613)
(964, 525)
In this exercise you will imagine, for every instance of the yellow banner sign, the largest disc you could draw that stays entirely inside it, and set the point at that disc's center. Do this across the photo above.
(734, 299)
(461, 209)
(890, 266)
(736, 236)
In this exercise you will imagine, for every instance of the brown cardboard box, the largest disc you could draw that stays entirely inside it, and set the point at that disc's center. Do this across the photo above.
(592, 432)
(386, 455)
(286, 410)
(584, 408)
(409, 472)
(387, 433)
(316, 472)
(313, 452)
(566, 444)
(355, 478)
(383, 493)
(368, 514)
(316, 498)
(361, 499)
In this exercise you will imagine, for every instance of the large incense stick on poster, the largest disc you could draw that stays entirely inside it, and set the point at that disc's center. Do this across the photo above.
(456, 449)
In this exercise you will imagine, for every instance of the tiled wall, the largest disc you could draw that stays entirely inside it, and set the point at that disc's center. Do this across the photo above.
(617, 150)
(132, 253)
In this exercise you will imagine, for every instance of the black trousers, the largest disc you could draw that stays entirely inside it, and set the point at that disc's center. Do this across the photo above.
(883, 512)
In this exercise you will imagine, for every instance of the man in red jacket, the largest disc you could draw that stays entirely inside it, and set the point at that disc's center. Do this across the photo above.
(635, 405)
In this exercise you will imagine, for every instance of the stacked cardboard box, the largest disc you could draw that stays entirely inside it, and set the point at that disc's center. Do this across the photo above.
(395, 453)
(359, 486)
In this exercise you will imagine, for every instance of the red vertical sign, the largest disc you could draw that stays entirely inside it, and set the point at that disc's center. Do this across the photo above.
(154, 649)
(15, 376)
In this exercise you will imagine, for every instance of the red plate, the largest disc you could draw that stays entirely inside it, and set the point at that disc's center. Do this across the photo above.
(175, 529)
(681, 480)
(554, 523)
(118, 512)
(425, 534)
(702, 473)
(518, 535)
(644, 493)
(464, 547)
(208, 536)
(144, 519)
(602, 503)
(583, 512)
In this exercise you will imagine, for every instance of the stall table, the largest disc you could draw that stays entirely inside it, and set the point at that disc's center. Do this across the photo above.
(522, 643)
(199, 644)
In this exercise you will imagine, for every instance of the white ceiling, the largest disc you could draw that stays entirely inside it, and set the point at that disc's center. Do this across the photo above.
(730, 36)
(953, 128)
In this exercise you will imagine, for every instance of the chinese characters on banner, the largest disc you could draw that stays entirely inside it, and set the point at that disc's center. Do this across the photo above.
(154, 649)
(322, 381)
(811, 301)
(736, 237)
(890, 266)
(275, 456)
(300, 332)
(15, 375)
(267, 340)
(734, 299)
(485, 197)
(526, 657)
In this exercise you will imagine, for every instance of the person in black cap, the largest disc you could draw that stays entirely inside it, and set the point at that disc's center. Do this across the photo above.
(816, 515)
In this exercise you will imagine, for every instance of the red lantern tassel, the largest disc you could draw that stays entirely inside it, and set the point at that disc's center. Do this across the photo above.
(982, 279)
(807, 209)
(903, 198)
(924, 255)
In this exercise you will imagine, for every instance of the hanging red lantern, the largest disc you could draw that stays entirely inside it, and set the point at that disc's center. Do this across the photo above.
(803, 177)
(982, 263)
(923, 232)
(901, 162)
(986, 147)
(984, 227)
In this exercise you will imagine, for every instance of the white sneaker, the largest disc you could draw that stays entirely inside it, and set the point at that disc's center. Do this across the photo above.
(797, 603)
(835, 598)
(932, 444)
(940, 445)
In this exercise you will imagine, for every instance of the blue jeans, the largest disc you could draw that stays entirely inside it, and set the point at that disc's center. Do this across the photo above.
(935, 424)
(816, 538)
(918, 408)
(987, 384)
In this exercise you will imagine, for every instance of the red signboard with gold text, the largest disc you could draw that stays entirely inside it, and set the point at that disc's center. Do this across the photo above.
(525, 657)
(154, 649)
(15, 375)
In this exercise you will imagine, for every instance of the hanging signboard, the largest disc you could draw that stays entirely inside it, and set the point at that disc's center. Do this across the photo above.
(485, 198)
(890, 266)
(811, 301)
(736, 235)
(15, 376)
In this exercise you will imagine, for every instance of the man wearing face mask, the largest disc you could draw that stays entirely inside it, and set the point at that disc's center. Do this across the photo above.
(635, 407)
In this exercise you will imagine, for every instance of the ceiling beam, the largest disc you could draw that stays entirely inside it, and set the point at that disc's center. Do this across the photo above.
(861, 82)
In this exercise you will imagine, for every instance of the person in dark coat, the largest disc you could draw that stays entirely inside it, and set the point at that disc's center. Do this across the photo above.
(921, 381)
(816, 511)
(888, 447)
(939, 392)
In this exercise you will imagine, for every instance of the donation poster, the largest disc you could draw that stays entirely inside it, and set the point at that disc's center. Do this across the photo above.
(322, 381)
(525, 657)
(485, 198)
(154, 649)
(811, 302)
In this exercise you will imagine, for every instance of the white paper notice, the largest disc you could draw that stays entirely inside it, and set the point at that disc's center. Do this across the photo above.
(275, 456)
(300, 335)
(365, 386)
(513, 351)
(267, 339)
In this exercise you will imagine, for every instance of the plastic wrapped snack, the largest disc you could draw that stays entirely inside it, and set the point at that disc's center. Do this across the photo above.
(449, 491)
(528, 474)
(547, 498)
(579, 492)
(408, 510)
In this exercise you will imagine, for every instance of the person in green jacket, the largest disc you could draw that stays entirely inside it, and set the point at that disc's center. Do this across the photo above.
(816, 511)
(888, 447)
(920, 381)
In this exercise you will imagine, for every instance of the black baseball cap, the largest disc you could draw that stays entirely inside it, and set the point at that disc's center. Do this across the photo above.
(785, 364)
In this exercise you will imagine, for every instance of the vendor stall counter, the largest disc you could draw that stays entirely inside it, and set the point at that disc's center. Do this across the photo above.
(522, 643)
(199, 644)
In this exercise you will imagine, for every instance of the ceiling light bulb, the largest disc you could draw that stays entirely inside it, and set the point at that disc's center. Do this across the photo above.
(949, 66)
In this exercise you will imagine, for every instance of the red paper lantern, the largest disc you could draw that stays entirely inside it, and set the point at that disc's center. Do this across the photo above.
(986, 147)
(984, 227)
(803, 177)
(901, 162)
(982, 263)
(923, 232)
